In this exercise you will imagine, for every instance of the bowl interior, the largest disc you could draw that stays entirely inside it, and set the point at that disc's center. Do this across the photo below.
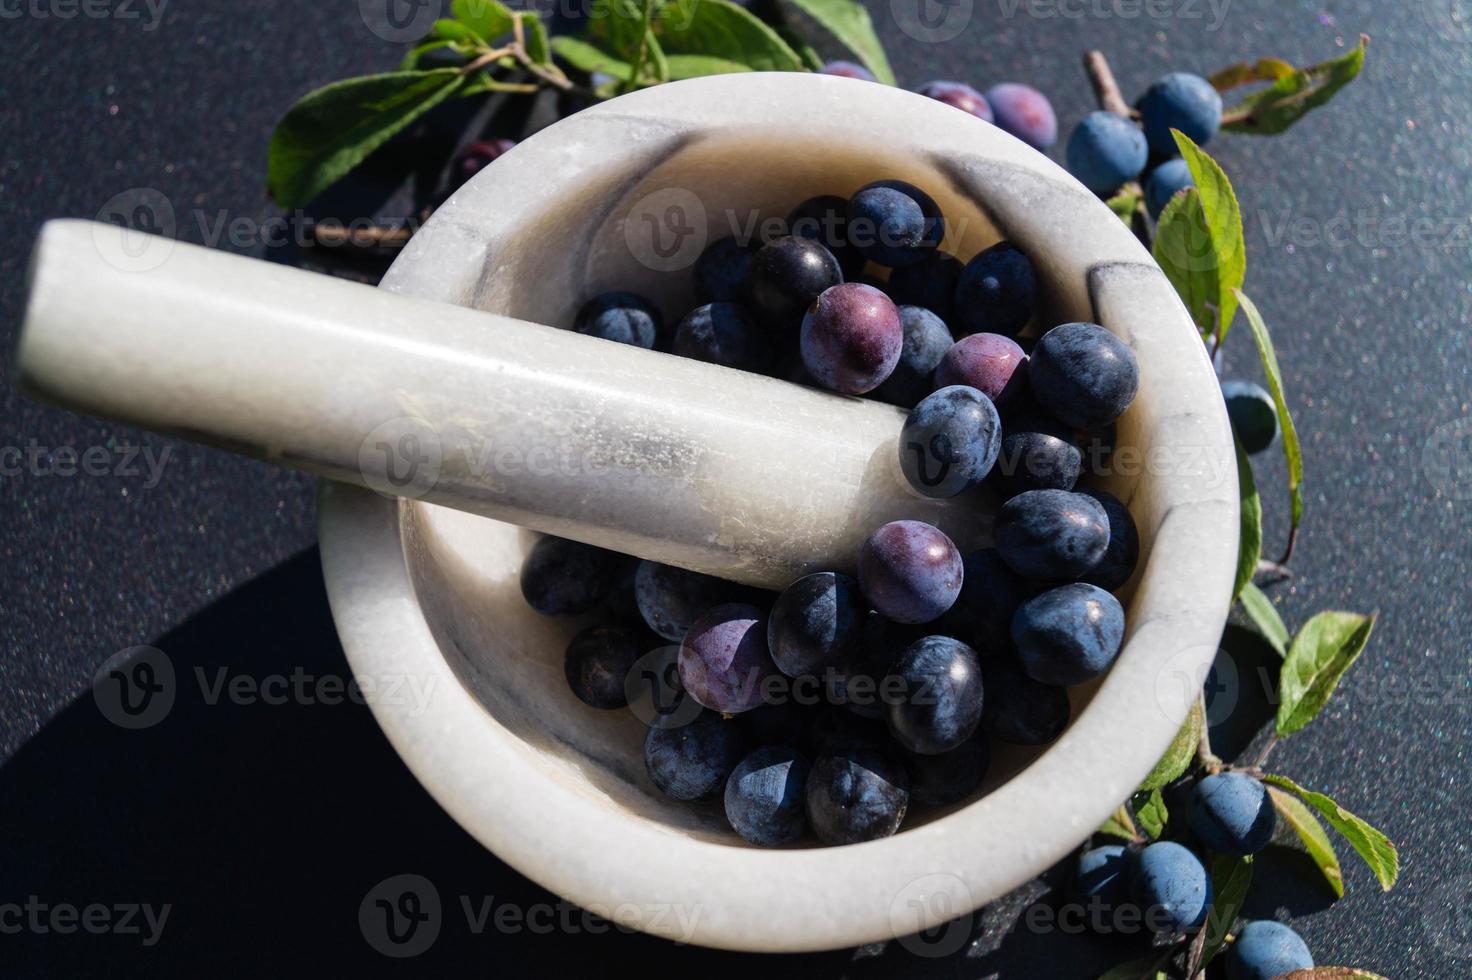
(626, 200)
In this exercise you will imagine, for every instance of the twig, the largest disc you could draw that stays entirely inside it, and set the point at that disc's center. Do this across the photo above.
(637, 71)
(1204, 755)
(1198, 953)
(1265, 751)
(1288, 551)
(1266, 567)
(553, 76)
(1106, 88)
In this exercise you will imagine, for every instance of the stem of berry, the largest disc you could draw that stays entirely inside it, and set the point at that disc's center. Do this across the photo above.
(1208, 759)
(1106, 88)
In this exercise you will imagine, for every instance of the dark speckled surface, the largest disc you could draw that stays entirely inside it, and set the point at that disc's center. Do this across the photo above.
(264, 826)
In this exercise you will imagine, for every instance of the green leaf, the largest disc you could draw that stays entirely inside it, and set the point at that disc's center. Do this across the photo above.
(490, 19)
(1231, 877)
(720, 29)
(1264, 616)
(1152, 815)
(1292, 452)
(332, 130)
(1323, 650)
(1370, 844)
(697, 65)
(1223, 217)
(1249, 537)
(805, 51)
(1179, 756)
(618, 26)
(1242, 73)
(1120, 825)
(455, 32)
(416, 56)
(1146, 968)
(1127, 203)
(586, 58)
(1292, 96)
(1315, 839)
(849, 24)
(534, 34)
(1331, 973)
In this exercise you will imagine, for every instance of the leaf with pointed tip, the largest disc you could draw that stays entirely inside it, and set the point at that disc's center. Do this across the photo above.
(1243, 73)
(1301, 820)
(1295, 95)
(1223, 216)
(849, 24)
(1331, 973)
(1179, 756)
(1326, 647)
(490, 19)
(1119, 825)
(1249, 535)
(1370, 844)
(1292, 450)
(720, 29)
(1264, 616)
(1231, 877)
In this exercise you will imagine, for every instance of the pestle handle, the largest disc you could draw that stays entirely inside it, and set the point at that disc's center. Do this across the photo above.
(701, 466)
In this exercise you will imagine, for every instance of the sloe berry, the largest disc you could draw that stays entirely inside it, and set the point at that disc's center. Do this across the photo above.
(1232, 814)
(1123, 553)
(1038, 453)
(1181, 101)
(948, 777)
(894, 223)
(725, 334)
(996, 292)
(724, 660)
(721, 270)
(993, 364)
(1051, 535)
(1168, 877)
(765, 796)
(692, 762)
(929, 283)
(786, 275)
(1024, 112)
(1166, 181)
(1106, 151)
(814, 623)
(854, 794)
(926, 341)
(597, 665)
(1068, 635)
(621, 317)
(1084, 374)
(939, 702)
(671, 598)
(564, 578)
(851, 338)
(950, 441)
(824, 219)
(847, 69)
(960, 95)
(1253, 413)
(910, 571)
(1018, 709)
(1267, 949)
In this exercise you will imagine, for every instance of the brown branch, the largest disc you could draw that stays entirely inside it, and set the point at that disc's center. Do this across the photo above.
(1106, 88)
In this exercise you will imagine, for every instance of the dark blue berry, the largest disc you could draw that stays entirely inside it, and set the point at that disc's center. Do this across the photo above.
(765, 796)
(856, 794)
(598, 662)
(938, 701)
(949, 777)
(1103, 874)
(1166, 879)
(1123, 553)
(692, 762)
(1166, 181)
(786, 276)
(1018, 709)
(1084, 374)
(1232, 814)
(724, 661)
(564, 578)
(851, 338)
(991, 594)
(894, 223)
(814, 623)
(1051, 535)
(997, 292)
(927, 339)
(824, 219)
(950, 441)
(1024, 112)
(910, 571)
(621, 317)
(1037, 453)
(1068, 635)
(1265, 950)
(859, 682)
(671, 598)
(1253, 413)
(725, 334)
(929, 283)
(1106, 151)
(720, 272)
(1181, 101)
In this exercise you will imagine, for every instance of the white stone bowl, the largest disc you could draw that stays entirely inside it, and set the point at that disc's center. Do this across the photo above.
(557, 789)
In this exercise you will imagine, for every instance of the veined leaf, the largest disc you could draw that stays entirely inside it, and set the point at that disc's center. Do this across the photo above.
(697, 65)
(1223, 218)
(415, 58)
(849, 24)
(332, 130)
(1178, 757)
(1264, 616)
(1127, 204)
(616, 26)
(1249, 537)
(1243, 73)
(1326, 647)
(1370, 844)
(1120, 825)
(1152, 815)
(1295, 95)
(1230, 879)
(585, 57)
(1292, 451)
(490, 19)
(1301, 820)
(534, 34)
(720, 29)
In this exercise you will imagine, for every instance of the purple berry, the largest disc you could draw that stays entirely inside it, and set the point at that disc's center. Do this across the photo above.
(1123, 553)
(855, 793)
(960, 95)
(724, 659)
(847, 69)
(565, 578)
(598, 662)
(475, 157)
(851, 338)
(671, 598)
(997, 292)
(992, 364)
(910, 571)
(814, 622)
(1024, 112)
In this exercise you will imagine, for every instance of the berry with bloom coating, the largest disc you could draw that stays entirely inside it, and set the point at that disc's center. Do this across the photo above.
(1181, 101)
(997, 292)
(1265, 950)
(851, 338)
(1024, 112)
(1106, 151)
(960, 95)
(894, 223)
(724, 659)
(910, 571)
(1232, 814)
